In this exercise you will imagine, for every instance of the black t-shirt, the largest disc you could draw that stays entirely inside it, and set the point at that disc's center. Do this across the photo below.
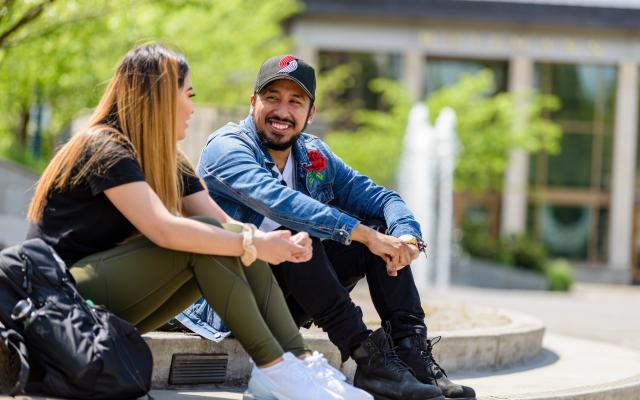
(82, 221)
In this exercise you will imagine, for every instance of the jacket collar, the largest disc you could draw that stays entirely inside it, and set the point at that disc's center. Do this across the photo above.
(298, 148)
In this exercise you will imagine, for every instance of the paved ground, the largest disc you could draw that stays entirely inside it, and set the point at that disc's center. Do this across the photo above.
(606, 313)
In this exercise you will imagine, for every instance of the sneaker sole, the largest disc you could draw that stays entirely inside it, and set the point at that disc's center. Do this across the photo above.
(460, 398)
(251, 396)
(378, 397)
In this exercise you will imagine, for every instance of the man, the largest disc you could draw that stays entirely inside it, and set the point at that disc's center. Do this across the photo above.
(266, 171)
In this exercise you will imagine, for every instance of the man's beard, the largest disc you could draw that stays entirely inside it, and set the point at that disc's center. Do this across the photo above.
(270, 144)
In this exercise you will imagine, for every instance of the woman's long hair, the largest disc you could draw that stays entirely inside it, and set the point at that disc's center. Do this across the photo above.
(136, 117)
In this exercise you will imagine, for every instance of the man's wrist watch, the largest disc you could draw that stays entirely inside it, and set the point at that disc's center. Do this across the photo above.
(410, 239)
(250, 252)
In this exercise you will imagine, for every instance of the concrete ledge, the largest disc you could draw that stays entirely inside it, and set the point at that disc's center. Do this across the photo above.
(473, 349)
(490, 348)
(566, 369)
(164, 345)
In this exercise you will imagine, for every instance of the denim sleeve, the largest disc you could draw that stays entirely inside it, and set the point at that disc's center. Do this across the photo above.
(231, 169)
(358, 195)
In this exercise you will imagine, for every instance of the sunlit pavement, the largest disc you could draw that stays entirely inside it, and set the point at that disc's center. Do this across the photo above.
(607, 313)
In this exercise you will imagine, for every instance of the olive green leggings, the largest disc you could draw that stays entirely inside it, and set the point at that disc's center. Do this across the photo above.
(147, 285)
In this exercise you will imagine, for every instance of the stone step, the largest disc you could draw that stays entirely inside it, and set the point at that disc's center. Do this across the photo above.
(469, 349)
(565, 369)
(489, 347)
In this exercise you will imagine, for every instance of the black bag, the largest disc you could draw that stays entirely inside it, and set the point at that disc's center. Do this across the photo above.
(75, 349)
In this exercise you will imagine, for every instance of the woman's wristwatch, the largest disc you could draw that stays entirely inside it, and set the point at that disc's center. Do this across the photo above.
(410, 239)
(250, 252)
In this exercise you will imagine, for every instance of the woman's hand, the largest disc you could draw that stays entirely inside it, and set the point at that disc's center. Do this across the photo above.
(279, 246)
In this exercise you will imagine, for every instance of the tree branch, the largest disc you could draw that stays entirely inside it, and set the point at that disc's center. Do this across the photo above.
(51, 29)
(30, 15)
(6, 4)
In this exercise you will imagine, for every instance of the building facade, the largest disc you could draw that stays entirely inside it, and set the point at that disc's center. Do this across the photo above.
(581, 203)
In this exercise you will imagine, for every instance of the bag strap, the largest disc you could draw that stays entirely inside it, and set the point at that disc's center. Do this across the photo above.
(19, 290)
(15, 343)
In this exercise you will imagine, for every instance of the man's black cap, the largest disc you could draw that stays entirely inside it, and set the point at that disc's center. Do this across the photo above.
(287, 67)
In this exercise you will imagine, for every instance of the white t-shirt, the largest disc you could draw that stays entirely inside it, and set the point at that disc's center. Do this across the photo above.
(267, 224)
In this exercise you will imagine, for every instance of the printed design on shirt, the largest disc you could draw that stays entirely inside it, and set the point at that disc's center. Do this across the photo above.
(318, 164)
(288, 64)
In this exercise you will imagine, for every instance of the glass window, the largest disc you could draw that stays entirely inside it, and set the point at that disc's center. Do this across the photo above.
(605, 168)
(439, 72)
(578, 178)
(565, 231)
(603, 233)
(577, 86)
(366, 66)
(572, 167)
(609, 82)
(477, 215)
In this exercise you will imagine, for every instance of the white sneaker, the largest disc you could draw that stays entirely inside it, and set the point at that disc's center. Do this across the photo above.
(287, 380)
(332, 379)
(317, 363)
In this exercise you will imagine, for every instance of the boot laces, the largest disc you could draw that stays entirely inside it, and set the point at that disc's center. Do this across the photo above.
(391, 358)
(427, 355)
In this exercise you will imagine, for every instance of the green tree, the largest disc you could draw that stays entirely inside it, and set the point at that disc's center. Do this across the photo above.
(375, 147)
(487, 129)
(17, 19)
(63, 59)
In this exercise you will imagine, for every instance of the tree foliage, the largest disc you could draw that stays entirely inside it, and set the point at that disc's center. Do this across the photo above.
(63, 58)
(375, 147)
(487, 128)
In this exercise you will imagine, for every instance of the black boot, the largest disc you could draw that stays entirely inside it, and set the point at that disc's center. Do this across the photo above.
(381, 373)
(416, 351)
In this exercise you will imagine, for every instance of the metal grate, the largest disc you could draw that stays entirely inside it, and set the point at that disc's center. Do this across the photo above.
(195, 369)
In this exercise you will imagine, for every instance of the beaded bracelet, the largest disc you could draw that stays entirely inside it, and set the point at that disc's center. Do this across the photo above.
(410, 239)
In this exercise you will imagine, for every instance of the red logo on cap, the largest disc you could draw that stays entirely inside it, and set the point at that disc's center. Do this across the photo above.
(288, 64)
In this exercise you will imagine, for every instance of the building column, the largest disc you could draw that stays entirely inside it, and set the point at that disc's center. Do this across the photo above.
(309, 54)
(412, 64)
(624, 167)
(514, 195)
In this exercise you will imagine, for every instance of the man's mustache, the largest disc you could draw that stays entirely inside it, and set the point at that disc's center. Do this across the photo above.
(285, 120)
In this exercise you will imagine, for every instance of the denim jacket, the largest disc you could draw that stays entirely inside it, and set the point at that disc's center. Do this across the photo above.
(237, 169)
(326, 203)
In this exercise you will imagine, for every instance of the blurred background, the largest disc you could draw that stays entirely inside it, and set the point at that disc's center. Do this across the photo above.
(545, 93)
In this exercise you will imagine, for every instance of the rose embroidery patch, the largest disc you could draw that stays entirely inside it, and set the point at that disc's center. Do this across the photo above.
(318, 164)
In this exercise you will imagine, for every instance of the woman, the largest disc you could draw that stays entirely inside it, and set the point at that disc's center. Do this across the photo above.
(113, 201)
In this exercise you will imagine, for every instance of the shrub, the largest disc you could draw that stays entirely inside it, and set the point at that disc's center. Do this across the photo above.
(560, 275)
(478, 243)
(527, 253)
(520, 251)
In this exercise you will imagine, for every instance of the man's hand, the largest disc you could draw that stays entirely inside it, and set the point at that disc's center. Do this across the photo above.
(394, 251)
(302, 239)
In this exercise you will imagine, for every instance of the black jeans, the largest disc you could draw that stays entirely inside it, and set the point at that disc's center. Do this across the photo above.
(318, 291)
